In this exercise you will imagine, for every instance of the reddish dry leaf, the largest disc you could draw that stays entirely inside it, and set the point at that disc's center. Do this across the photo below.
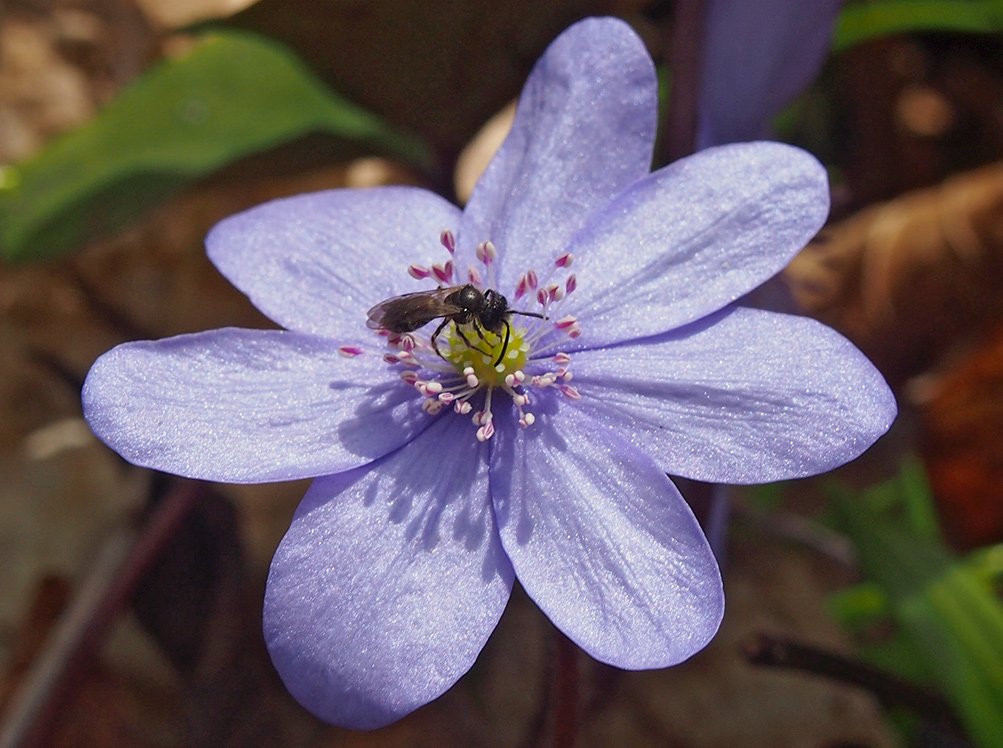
(914, 282)
(909, 279)
(961, 439)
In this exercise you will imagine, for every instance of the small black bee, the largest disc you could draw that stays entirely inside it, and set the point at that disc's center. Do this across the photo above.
(487, 310)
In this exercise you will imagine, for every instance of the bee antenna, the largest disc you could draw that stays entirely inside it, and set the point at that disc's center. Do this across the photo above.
(529, 314)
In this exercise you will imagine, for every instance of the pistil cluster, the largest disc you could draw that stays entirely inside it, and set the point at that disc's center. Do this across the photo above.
(467, 359)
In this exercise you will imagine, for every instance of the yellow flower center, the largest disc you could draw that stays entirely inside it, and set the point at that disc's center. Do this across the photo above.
(482, 353)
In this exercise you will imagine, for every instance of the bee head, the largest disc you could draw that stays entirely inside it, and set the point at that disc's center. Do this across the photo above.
(494, 310)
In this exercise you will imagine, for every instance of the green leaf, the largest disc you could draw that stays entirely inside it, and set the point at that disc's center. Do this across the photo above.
(860, 606)
(921, 511)
(944, 604)
(231, 95)
(867, 20)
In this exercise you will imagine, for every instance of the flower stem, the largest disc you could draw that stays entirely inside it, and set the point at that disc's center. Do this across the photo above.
(565, 692)
(684, 41)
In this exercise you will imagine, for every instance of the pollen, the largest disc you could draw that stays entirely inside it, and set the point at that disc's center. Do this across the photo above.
(487, 354)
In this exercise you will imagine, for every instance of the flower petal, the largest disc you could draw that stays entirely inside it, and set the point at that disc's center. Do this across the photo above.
(756, 58)
(745, 396)
(389, 581)
(603, 542)
(317, 262)
(583, 131)
(248, 406)
(693, 237)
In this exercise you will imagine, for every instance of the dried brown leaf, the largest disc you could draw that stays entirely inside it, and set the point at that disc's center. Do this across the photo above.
(961, 440)
(175, 14)
(437, 67)
(477, 154)
(909, 279)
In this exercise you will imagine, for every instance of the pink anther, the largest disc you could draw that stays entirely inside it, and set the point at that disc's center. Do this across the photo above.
(448, 241)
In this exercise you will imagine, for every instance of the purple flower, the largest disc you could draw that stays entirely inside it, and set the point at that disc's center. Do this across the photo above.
(447, 473)
(756, 58)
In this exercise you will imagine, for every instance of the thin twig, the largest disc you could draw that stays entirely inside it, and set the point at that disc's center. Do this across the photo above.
(889, 689)
(793, 528)
(34, 709)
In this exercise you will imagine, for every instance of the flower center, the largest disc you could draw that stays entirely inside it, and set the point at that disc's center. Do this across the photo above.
(482, 347)
(491, 357)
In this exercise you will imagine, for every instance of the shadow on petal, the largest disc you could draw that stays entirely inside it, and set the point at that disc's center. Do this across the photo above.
(389, 581)
(389, 407)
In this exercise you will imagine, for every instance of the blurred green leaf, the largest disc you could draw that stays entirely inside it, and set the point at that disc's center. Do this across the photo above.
(231, 95)
(865, 609)
(917, 497)
(861, 21)
(766, 497)
(944, 604)
(860, 606)
(988, 564)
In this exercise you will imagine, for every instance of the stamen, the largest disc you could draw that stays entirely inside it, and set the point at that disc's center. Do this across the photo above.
(485, 419)
(448, 240)
(350, 351)
(564, 261)
(486, 252)
(432, 407)
(570, 391)
(520, 287)
(418, 272)
(443, 273)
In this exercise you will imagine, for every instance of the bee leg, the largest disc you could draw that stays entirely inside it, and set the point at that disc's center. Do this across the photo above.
(435, 338)
(470, 345)
(478, 330)
(504, 348)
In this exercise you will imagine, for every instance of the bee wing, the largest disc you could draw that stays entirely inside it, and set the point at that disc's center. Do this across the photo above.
(411, 310)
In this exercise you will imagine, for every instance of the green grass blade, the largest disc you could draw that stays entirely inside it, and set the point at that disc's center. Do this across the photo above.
(945, 605)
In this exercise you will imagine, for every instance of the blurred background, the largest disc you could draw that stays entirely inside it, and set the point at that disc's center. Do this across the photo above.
(863, 606)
